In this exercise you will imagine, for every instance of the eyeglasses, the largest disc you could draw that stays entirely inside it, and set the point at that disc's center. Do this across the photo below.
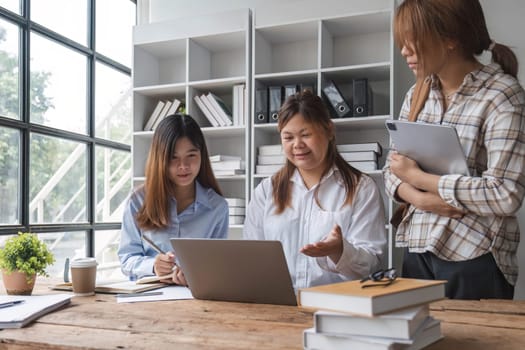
(380, 278)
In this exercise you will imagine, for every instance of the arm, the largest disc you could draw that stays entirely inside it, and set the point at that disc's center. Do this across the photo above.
(133, 259)
(362, 244)
(221, 225)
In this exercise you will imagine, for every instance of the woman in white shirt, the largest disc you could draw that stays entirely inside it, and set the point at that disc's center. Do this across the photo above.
(328, 215)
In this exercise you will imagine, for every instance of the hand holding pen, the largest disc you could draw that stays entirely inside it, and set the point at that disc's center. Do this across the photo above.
(165, 264)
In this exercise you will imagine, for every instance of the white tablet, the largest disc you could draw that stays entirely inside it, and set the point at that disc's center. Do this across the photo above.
(435, 148)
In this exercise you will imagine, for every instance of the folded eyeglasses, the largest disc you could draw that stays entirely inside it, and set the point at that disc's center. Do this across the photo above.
(380, 278)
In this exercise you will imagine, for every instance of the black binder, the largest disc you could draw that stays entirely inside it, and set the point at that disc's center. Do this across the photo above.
(261, 106)
(336, 100)
(276, 99)
(361, 102)
(290, 90)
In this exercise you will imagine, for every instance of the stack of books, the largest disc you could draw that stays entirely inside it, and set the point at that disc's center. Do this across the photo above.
(382, 317)
(270, 159)
(161, 111)
(226, 165)
(219, 113)
(362, 156)
(237, 210)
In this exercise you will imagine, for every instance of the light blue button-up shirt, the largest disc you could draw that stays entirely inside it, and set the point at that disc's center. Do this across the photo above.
(207, 217)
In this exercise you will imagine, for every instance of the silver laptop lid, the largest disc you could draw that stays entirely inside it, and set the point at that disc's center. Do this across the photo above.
(246, 271)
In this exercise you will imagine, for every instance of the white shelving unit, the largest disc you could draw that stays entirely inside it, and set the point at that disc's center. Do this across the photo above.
(184, 58)
(181, 59)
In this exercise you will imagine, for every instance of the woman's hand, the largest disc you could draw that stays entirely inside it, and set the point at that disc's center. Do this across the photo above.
(404, 168)
(164, 265)
(178, 277)
(331, 246)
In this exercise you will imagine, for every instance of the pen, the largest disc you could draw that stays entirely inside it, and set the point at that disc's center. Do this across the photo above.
(145, 294)
(156, 247)
(10, 303)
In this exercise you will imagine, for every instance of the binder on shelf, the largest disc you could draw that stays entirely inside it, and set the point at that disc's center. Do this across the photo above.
(290, 90)
(275, 100)
(336, 100)
(261, 106)
(361, 102)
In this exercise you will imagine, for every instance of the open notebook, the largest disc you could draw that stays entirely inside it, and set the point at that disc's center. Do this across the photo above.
(119, 287)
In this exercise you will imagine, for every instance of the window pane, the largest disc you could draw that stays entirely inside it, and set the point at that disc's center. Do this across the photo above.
(113, 33)
(113, 183)
(59, 76)
(66, 17)
(64, 245)
(9, 176)
(106, 246)
(112, 104)
(57, 180)
(11, 5)
(9, 71)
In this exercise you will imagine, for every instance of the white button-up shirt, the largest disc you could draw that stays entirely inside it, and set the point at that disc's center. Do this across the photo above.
(362, 224)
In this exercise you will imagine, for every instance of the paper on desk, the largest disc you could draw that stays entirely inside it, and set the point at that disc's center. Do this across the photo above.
(168, 293)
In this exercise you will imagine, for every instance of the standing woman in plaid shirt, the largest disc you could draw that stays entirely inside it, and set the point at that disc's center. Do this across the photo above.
(462, 229)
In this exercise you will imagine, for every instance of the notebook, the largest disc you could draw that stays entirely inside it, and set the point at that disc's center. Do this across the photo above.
(436, 148)
(116, 287)
(29, 307)
(246, 271)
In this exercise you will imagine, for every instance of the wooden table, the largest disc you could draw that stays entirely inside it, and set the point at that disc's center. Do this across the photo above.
(98, 322)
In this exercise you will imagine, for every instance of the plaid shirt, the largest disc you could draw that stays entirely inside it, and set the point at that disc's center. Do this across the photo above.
(488, 112)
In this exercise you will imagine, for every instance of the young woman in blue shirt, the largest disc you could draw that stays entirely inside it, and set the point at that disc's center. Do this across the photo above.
(179, 198)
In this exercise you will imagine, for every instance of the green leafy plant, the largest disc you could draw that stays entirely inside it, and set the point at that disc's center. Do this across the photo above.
(25, 253)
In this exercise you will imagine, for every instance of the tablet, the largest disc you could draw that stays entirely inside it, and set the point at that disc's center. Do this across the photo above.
(435, 148)
(248, 271)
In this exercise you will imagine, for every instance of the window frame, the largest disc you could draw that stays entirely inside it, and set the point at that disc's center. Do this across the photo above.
(26, 128)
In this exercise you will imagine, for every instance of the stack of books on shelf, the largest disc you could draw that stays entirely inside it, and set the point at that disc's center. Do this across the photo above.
(237, 210)
(218, 112)
(362, 156)
(270, 159)
(226, 165)
(395, 316)
(162, 110)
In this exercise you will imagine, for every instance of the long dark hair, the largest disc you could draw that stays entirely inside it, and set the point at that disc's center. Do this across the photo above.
(314, 111)
(427, 22)
(155, 212)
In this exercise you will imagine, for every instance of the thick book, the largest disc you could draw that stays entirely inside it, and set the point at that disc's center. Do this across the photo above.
(236, 202)
(30, 308)
(175, 104)
(270, 150)
(236, 219)
(360, 156)
(361, 147)
(401, 324)
(221, 157)
(350, 297)
(207, 113)
(228, 172)
(267, 169)
(266, 160)
(154, 115)
(163, 114)
(237, 211)
(228, 164)
(220, 107)
(364, 166)
(429, 332)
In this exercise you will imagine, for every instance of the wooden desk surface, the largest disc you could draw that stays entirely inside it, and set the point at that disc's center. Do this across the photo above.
(98, 322)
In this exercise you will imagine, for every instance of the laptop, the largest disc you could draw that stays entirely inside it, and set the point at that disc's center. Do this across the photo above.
(435, 148)
(247, 271)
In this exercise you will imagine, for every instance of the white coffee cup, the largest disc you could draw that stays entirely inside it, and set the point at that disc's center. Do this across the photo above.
(84, 276)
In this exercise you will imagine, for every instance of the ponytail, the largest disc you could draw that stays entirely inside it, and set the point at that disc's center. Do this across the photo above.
(505, 57)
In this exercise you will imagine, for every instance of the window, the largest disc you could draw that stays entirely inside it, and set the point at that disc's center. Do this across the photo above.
(65, 124)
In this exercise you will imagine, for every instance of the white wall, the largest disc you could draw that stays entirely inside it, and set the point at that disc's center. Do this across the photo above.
(504, 20)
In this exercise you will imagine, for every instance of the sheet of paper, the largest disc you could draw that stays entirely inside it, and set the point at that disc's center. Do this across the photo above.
(168, 293)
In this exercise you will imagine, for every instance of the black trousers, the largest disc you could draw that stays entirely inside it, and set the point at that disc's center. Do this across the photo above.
(479, 278)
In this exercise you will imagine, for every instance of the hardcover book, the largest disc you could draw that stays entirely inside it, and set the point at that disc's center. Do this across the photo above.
(351, 297)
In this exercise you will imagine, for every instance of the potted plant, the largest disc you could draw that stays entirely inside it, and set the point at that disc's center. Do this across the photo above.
(22, 258)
